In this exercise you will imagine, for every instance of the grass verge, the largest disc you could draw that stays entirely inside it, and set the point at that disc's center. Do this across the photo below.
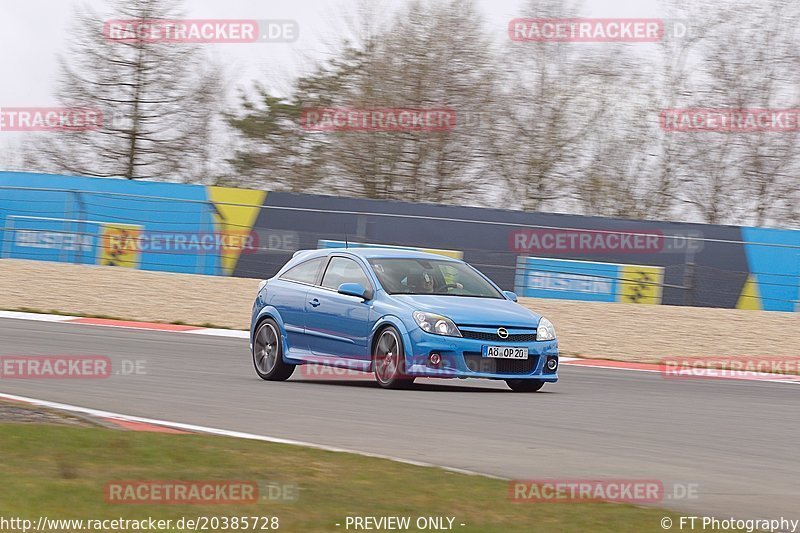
(61, 472)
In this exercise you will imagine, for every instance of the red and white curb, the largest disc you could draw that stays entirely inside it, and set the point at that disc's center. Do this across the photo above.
(219, 332)
(671, 375)
(128, 324)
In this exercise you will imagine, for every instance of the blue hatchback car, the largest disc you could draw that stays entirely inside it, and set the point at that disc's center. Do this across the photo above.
(401, 314)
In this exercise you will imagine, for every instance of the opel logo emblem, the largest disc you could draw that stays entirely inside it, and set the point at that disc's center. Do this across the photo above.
(502, 333)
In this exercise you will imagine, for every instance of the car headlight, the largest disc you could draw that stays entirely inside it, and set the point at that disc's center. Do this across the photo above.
(436, 324)
(546, 331)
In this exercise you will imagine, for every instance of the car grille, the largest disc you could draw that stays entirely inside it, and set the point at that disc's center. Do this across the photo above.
(489, 365)
(494, 337)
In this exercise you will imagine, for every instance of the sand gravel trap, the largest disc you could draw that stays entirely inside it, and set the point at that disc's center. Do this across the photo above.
(20, 413)
(613, 331)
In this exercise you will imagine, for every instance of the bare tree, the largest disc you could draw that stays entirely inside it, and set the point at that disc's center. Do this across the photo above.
(749, 62)
(11, 157)
(274, 150)
(436, 56)
(432, 56)
(556, 98)
(636, 167)
(159, 101)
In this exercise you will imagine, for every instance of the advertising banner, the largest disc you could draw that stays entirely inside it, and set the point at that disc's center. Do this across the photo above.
(591, 281)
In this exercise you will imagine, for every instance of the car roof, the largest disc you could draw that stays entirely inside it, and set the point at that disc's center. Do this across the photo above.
(375, 252)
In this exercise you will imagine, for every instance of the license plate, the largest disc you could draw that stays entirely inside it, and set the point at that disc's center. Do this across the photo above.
(505, 352)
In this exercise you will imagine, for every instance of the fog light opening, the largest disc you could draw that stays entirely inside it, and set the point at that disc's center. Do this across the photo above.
(552, 364)
(435, 359)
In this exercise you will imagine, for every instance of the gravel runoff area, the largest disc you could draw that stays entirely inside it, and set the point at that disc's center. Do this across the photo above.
(629, 332)
(21, 413)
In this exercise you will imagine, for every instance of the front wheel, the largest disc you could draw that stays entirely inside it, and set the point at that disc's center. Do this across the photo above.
(268, 353)
(389, 361)
(525, 385)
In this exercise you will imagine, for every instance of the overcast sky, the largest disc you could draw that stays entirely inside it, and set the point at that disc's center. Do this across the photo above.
(33, 32)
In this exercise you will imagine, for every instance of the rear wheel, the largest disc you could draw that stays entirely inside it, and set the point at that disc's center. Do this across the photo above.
(268, 353)
(525, 385)
(389, 361)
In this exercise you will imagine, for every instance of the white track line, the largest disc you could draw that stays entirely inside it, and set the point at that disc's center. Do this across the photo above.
(757, 377)
(228, 433)
(19, 315)
(213, 332)
(236, 333)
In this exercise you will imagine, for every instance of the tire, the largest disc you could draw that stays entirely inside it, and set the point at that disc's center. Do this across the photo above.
(268, 353)
(389, 361)
(525, 385)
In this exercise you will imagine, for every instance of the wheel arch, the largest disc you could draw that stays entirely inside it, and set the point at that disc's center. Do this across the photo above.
(265, 313)
(381, 324)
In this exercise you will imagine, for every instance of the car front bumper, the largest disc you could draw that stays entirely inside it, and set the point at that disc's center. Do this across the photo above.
(461, 358)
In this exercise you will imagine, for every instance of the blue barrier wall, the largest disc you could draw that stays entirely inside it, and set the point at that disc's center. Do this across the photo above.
(774, 270)
(78, 207)
(84, 220)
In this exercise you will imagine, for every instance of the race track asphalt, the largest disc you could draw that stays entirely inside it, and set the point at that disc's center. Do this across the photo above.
(737, 443)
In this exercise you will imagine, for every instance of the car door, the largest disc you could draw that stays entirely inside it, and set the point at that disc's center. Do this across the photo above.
(288, 295)
(336, 324)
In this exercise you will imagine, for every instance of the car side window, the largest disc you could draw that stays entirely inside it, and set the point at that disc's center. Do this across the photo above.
(343, 270)
(304, 272)
(449, 274)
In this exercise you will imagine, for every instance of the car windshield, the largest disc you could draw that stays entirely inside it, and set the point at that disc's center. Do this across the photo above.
(426, 276)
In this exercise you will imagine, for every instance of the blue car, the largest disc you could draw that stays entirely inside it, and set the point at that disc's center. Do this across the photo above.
(400, 314)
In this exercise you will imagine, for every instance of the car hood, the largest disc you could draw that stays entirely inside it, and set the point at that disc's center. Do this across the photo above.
(472, 311)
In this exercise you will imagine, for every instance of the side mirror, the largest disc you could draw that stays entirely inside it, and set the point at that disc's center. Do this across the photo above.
(355, 289)
(510, 295)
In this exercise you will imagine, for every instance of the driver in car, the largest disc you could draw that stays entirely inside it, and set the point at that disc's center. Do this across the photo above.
(421, 282)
